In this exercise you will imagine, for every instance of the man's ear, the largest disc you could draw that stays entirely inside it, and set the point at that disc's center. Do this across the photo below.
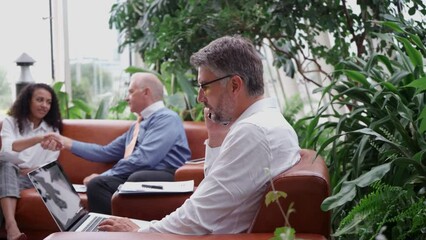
(237, 83)
(146, 91)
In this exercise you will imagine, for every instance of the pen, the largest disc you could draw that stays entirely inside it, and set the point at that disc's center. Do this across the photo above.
(152, 186)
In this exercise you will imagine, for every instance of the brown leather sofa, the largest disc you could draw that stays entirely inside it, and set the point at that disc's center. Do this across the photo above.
(31, 214)
(306, 185)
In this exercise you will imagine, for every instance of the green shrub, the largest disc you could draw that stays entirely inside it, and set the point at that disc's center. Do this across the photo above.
(378, 119)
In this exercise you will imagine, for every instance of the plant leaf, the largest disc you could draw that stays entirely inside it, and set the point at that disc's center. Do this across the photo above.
(415, 56)
(419, 84)
(273, 196)
(348, 190)
(394, 26)
(422, 119)
(357, 76)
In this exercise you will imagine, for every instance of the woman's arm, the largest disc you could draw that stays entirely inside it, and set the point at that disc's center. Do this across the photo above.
(24, 143)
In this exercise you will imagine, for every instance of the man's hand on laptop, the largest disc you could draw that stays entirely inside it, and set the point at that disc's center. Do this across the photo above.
(116, 224)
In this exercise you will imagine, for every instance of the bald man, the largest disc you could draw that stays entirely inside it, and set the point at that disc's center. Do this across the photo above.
(161, 146)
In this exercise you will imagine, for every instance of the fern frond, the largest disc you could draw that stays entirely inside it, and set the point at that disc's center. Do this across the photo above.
(375, 209)
(411, 221)
(389, 135)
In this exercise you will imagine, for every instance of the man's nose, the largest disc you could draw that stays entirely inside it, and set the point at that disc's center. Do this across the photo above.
(200, 96)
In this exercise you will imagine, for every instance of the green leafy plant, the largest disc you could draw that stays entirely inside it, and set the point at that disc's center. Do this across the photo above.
(380, 211)
(378, 117)
(78, 109)
(170, 31)
(306, 127)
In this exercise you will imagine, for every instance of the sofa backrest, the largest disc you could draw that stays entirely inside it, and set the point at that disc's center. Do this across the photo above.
(92, 131)
(196, 133)
(306, 185)
(103, 132)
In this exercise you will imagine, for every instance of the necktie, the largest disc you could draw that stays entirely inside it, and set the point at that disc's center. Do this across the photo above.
(132, 143)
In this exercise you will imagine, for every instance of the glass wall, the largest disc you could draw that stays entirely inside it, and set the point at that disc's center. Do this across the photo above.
(24, 28)
(70, 41)
(96, 68)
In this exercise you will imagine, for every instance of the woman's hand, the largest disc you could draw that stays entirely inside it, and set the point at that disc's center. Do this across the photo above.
(52, 141)
(25, 171)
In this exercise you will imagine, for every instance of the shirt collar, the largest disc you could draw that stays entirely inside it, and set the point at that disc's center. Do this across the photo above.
(147, 112)
(256, 107)
(43, 125)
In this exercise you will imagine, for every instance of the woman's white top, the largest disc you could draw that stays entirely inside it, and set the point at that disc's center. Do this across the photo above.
(31, 157)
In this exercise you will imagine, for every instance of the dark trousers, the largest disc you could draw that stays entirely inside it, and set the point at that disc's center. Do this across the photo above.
(100, 189)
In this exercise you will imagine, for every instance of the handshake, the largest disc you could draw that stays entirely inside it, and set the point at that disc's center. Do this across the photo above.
(55, 142)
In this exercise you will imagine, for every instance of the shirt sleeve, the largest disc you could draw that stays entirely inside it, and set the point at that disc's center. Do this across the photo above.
(7, 135)
(155, 140)
(98, 153)
(233, 186)
(211, 155)
(32, 156)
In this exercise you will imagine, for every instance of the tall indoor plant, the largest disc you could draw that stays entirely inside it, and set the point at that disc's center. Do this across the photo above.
(378, 153)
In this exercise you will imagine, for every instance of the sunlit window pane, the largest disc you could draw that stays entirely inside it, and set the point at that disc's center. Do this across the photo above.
(96, 67)
(24, 27)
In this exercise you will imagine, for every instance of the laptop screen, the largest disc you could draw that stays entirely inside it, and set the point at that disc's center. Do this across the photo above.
(57, 194)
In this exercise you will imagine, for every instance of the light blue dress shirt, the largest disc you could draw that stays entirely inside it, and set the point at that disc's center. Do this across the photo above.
(161, 145)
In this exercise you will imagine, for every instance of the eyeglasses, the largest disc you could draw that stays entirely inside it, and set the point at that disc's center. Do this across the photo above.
(203, 85)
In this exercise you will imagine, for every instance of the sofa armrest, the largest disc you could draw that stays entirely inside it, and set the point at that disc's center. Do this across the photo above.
(147, 206)
(307, 185)
(190, 172)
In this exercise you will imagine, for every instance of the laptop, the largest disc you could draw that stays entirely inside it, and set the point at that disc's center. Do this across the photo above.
(63, 202)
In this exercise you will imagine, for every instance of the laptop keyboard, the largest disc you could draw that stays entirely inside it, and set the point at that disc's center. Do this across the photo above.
(92, 226)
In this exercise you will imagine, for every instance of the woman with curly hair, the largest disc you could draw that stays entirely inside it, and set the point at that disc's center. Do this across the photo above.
(26, 145)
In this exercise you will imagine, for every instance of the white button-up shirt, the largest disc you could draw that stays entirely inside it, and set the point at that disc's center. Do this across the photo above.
(33, 156)
(235, 177)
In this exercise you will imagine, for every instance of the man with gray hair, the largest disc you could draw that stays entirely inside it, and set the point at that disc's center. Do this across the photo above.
(246, 135)
(151, 150)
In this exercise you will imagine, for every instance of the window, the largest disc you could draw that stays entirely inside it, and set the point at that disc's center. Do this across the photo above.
(96, 68)
(24, 27)
(81, 51)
